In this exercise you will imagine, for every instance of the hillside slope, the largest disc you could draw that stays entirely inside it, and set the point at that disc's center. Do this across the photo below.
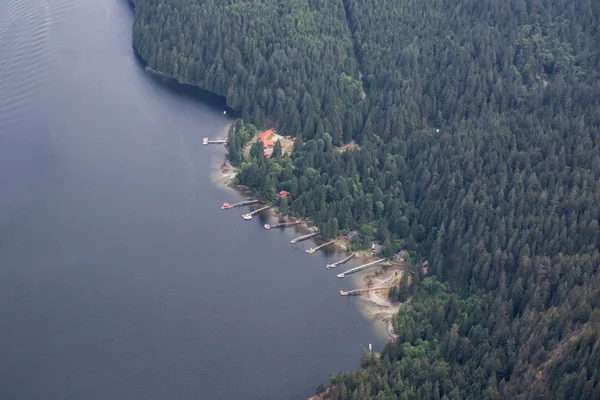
(479, 151)
(289, 60)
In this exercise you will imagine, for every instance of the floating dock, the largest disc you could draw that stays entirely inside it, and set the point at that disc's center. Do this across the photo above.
(227, 206)
(358, 292)
(345, 260)
(314, 249)
(359, 268)
(206, 141)
(248, 216)
(282, 224)
(301, 238)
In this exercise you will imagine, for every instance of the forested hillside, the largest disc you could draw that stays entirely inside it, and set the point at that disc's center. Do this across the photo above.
(479, 151)
(291, 60)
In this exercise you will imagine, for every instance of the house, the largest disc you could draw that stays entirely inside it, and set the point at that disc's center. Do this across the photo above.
(284, 194)
(399, 256)
(351, 234)
(266, 140)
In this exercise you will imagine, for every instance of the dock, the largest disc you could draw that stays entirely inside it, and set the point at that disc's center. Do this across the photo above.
(345, 260)
(358, 292)
(206, 141)
(282, 224)
(227, 206)
(301, 238)
(248, 216)
(314, 249)
(359, 268)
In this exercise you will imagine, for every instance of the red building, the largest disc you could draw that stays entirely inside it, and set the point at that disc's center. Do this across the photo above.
(265, 138)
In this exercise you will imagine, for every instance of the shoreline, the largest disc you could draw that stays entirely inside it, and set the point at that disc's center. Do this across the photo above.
(374, 305)
(377, 305)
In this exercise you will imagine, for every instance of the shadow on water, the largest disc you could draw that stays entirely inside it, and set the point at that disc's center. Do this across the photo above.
(131, 5)
(190, 92)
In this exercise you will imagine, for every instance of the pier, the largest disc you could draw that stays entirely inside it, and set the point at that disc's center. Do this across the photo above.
(282, 224)
(345, 260)
(359, 268)
(301, 238)
(314, 249)
(227, 206)
(358, 292)
(248, 216)
(206, 141)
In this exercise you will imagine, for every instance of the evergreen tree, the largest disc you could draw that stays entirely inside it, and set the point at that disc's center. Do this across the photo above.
(277, 152)
(473, 133)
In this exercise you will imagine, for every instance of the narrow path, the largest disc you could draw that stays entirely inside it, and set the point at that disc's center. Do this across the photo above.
(350, 25)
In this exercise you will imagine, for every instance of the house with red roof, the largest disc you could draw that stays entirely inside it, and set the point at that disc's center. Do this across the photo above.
(265, 138)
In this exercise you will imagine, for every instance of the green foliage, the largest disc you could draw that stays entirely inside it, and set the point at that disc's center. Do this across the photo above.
(276, 150)
(239, 136)
(289, 60)
(503, 201)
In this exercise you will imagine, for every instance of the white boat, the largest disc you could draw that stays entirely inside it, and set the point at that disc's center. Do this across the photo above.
(247, 217)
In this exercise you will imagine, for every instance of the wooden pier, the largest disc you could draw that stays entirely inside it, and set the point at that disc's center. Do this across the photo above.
(206, 141)
(227, 206)
(314, 249)
(358, 292)
(282, 224)
(248, 216)
(301, 238)
(359, 268)
(345, 260)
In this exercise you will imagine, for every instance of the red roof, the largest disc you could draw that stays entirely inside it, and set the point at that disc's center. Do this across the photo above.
(284, 193)
(265, 137)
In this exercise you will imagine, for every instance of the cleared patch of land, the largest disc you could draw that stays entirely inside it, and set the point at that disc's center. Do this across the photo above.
(350, 146)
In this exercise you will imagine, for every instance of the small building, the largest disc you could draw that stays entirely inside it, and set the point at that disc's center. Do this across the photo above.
(399, 256)
(266, 140)
(284, 194)
(376, 248)
(351, 234)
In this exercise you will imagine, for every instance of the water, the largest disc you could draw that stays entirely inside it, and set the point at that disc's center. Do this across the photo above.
(120, 278)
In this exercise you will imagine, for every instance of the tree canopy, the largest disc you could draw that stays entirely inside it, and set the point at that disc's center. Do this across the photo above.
(477, 125)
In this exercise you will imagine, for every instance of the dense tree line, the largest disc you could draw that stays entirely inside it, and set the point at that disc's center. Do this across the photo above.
(289, 60)
(479, 151)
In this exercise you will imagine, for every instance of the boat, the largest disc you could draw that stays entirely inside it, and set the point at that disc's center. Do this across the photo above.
(226, 206)
(247, 217)
(267, 226)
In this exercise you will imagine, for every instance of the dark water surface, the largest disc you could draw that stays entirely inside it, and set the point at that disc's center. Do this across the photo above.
(120, 278)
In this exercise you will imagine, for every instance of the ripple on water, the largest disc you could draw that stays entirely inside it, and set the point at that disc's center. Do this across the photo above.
(26, 52)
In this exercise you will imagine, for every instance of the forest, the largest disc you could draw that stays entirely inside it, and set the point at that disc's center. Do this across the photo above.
(476, 132)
